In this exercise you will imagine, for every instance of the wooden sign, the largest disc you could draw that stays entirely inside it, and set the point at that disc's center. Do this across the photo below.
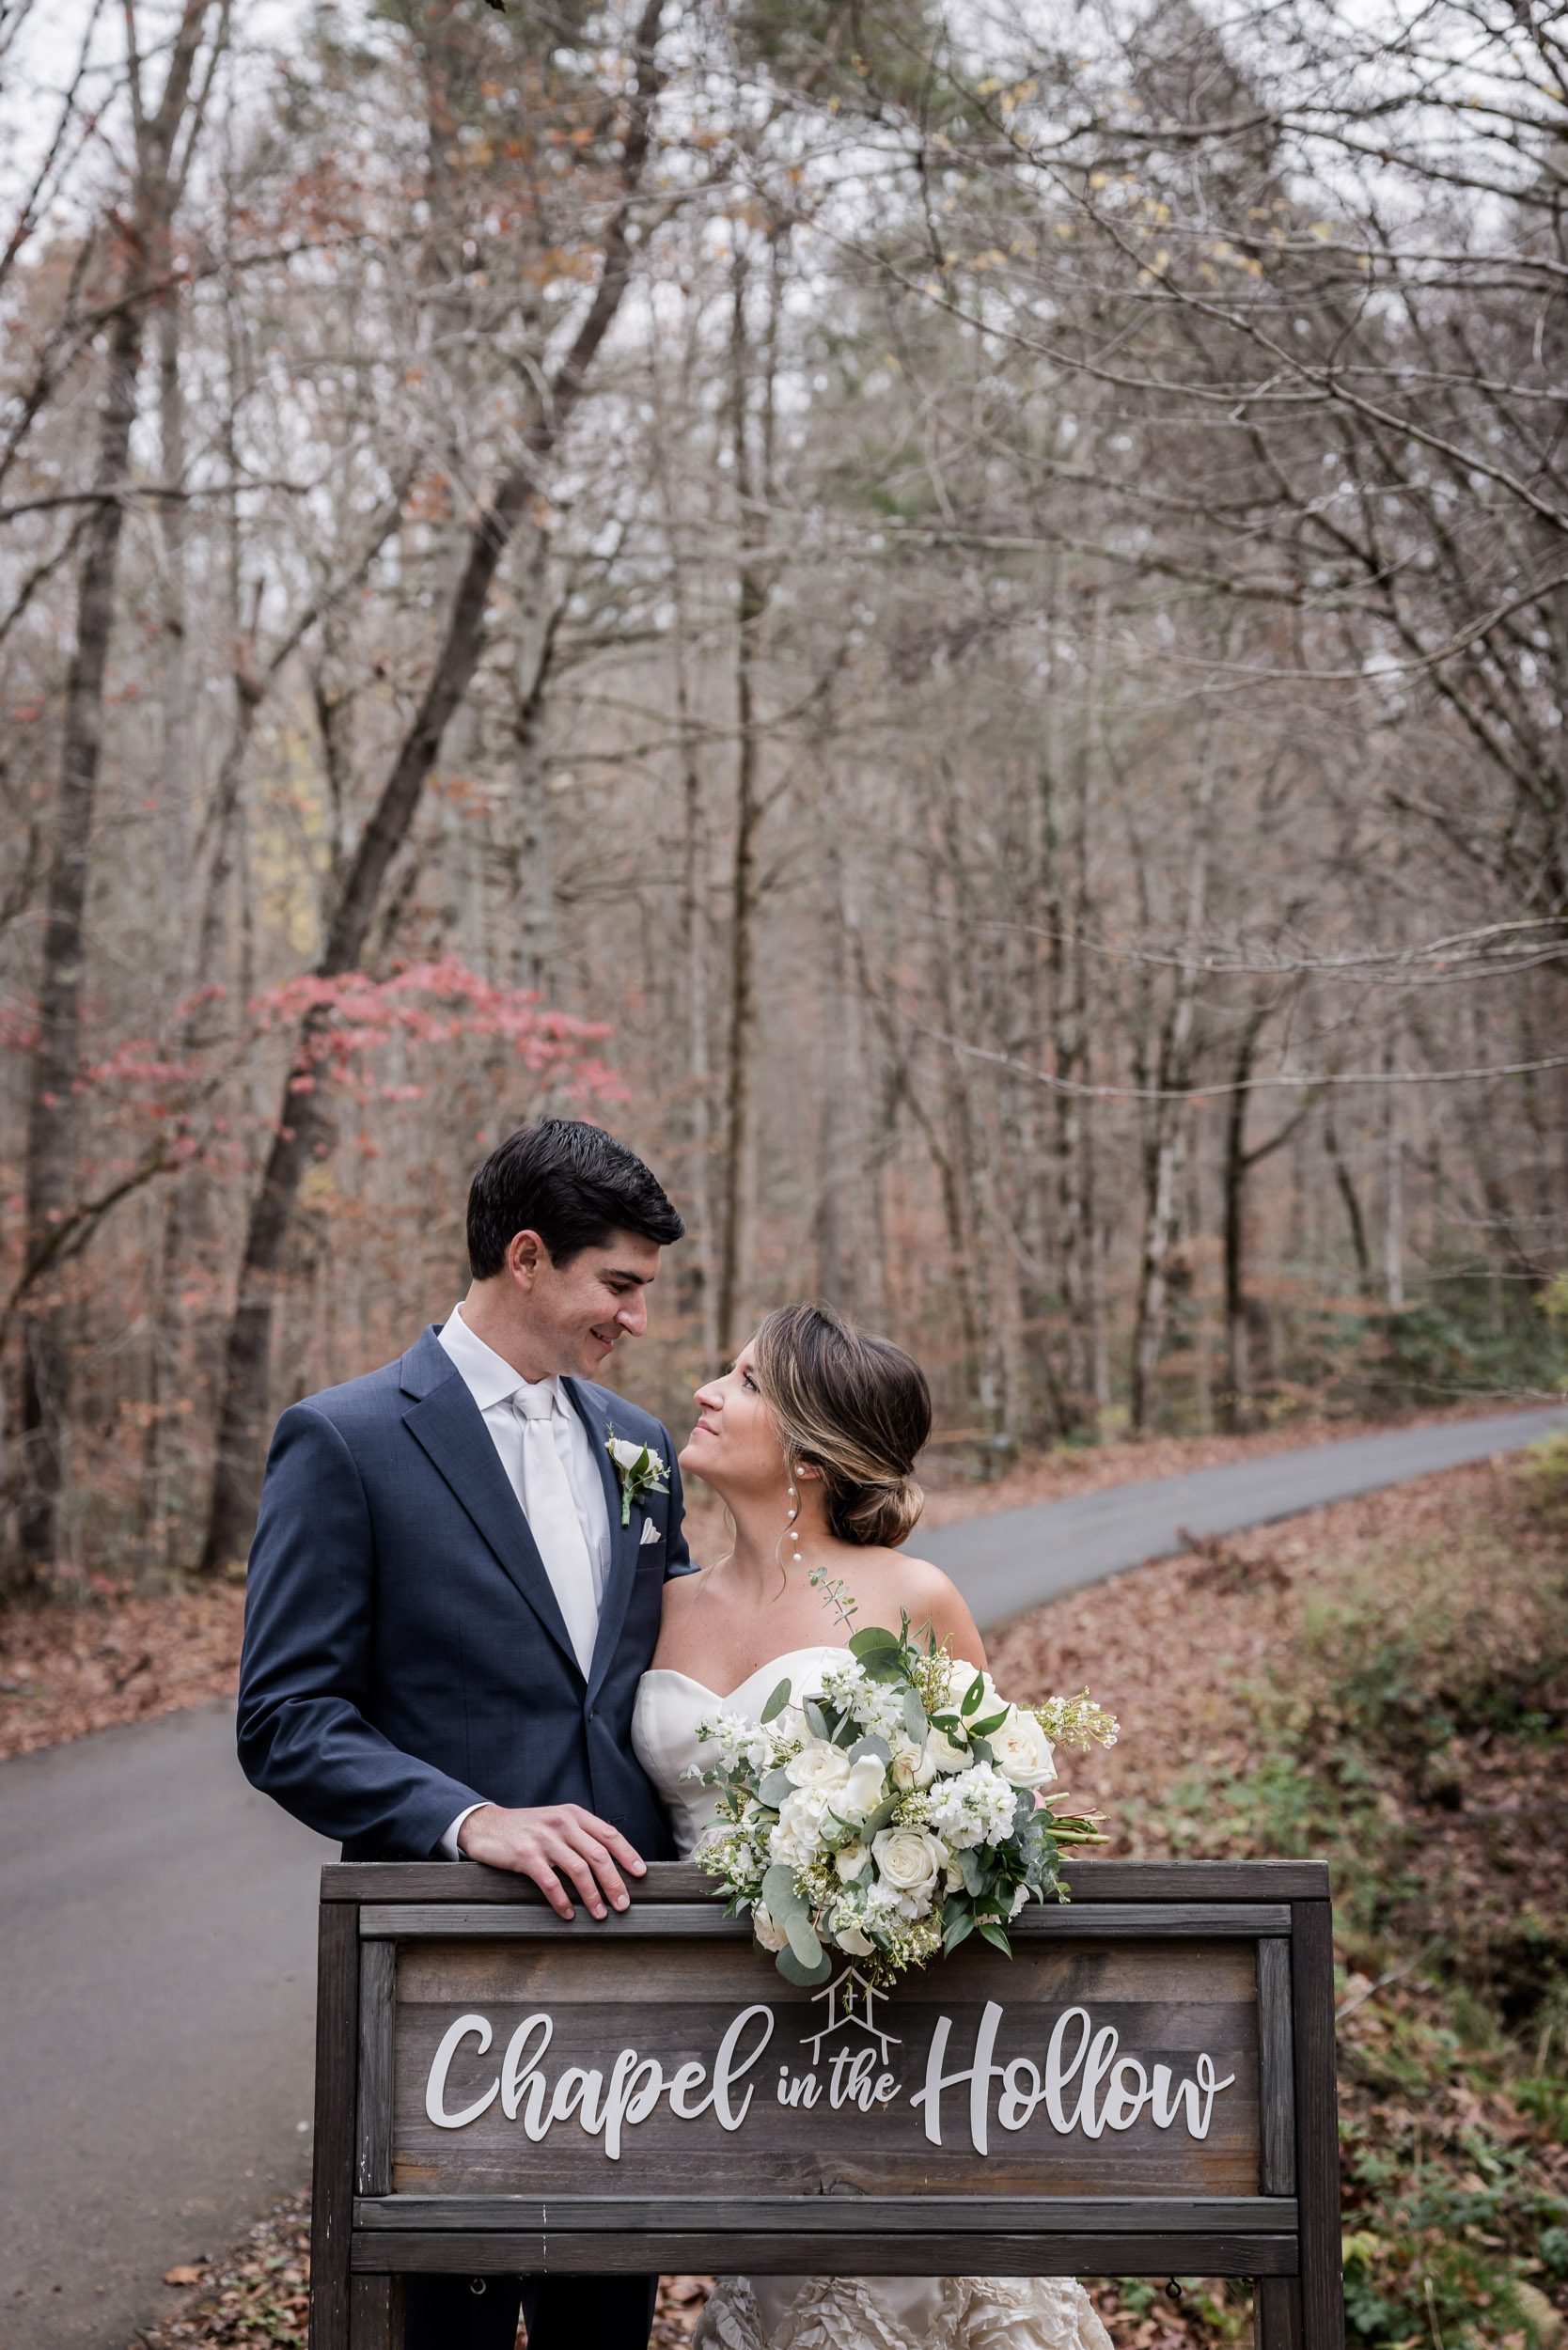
(1147, 2088)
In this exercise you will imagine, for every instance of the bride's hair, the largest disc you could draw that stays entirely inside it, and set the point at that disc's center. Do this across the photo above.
(856, 1408)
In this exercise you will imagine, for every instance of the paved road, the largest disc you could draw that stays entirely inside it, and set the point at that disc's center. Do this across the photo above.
(1016, 1558)
(157, 1954)
(157, 1925)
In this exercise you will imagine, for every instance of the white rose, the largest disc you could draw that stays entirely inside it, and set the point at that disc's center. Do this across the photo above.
(851, 1861)
(819, 1765)
(850, 1938)
(952, 1878)
(771, 1935)
(862, 1789)
(1021, 1752)
(961, 1680)
(943, 1755)
(626, 1454)
(907, 1858)
(912, 1768)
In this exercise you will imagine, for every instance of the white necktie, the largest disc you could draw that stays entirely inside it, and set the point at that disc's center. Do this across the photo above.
(552, 1519)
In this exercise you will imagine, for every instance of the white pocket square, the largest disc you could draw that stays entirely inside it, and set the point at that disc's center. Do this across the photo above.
(649, 1534)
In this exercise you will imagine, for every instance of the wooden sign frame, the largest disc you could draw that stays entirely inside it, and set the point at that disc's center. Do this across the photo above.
(1286, 2237)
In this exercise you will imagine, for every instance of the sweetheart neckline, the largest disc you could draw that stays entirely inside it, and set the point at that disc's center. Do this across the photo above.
(819, 1648)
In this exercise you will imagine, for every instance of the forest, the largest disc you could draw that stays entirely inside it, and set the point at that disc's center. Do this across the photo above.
(953, 619)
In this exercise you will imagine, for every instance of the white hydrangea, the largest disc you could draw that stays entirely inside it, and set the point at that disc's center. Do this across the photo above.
(797, 1839)
(974, 1808)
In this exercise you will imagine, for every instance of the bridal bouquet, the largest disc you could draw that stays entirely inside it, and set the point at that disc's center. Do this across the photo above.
(893, 1813)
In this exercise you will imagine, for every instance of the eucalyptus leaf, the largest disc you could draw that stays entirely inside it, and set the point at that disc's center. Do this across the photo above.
(793, 1971)
(979, 1749)
(777, 1789)
(883, 1664)
(775, 1705)
(915, 1715)
(879, 1747)
(803, 1939)
(782, 1893)
(875, 1637)
(816, 1718)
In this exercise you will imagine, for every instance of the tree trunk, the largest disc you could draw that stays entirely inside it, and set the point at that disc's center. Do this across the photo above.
(1344, 1184)
(302, 1132)
(51, 1169)
(1168, 1119)
(534, 957)
(1239, 1162)
(753, 474)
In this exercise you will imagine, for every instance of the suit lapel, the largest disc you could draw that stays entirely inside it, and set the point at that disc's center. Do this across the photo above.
(450, 1427)
(623, 1539)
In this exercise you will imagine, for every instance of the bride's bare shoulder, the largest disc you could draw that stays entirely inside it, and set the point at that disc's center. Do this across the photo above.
(928, 1597)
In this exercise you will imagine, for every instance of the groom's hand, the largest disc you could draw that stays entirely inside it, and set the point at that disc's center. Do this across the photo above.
(556, 1841)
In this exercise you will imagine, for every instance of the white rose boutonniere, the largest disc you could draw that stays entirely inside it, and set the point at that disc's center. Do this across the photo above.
(639, 1469)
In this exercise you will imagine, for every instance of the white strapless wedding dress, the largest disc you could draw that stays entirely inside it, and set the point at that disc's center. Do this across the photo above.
(836, 2313)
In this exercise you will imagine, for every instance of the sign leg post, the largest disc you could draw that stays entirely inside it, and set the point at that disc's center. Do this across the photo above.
(1276, 2313)
(337, 2060)
(1321, 2285)
(376, 2313)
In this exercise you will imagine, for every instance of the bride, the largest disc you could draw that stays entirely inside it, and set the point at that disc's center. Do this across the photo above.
(810, 1439)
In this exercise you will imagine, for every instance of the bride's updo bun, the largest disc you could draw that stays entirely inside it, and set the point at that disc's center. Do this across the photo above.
(856, 1408)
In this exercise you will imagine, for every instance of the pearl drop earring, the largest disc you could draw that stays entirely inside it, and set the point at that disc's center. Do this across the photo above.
(791, 1529)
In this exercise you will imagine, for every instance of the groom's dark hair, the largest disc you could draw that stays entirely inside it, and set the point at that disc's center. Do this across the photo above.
(571, 1184)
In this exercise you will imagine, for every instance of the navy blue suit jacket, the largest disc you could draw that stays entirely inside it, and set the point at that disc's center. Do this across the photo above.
(404, 1654)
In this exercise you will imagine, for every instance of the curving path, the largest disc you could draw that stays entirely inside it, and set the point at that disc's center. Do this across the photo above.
(157, 1923)
(1016, 1558)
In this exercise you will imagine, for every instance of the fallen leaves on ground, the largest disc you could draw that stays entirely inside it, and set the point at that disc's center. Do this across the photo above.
(97, 1656)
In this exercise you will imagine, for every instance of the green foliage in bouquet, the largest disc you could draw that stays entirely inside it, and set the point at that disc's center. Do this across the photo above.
(894, 1810)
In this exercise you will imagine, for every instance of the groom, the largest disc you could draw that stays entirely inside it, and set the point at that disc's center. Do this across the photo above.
(446, 1620)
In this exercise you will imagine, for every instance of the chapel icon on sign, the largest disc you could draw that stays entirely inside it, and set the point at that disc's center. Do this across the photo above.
(851, 2000)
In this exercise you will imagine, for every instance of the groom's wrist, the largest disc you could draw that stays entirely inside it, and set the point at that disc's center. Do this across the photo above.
(451, 1843)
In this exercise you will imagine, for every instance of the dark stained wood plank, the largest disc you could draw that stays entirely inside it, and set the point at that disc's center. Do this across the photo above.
(1169, 2002)
(1184, 1976)
(410, 1921)
(1276, 2313)
(1275, 2069)
(376, 2313)
(816, 2215)
(849, 2255)
(378, 1965)
(678, 1881)
(332, 2188)
(1317, 2127)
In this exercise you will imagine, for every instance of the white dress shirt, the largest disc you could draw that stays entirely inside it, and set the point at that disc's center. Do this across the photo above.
(492, 1383)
